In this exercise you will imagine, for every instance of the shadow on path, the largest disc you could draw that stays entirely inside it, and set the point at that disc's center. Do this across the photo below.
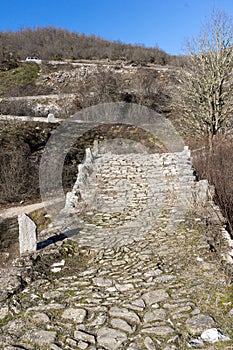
(57, 238)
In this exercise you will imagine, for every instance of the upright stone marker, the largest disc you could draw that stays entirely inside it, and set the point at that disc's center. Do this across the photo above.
(27, 234)
(51, 118)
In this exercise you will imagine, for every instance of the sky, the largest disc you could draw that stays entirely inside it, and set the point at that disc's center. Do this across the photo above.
(166, 24)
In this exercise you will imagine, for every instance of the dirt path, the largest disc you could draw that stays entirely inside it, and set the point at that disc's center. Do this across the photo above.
(14, 211)
(29, 119)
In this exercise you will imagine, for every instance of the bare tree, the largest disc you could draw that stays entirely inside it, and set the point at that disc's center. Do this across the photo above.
(57, 43)
(203, 97)
(18, 174)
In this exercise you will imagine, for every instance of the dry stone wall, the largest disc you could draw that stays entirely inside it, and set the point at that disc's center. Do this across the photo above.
(117, 184)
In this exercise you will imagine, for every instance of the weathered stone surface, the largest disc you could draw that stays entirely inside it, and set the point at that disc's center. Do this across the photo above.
(155, 296)
(84, 336)
(155, 315)
(159, 330)
(5, 340)
(40, 337)
(134, 346)
(102, 282)
(153, 273)
(83, 184)
(78, 315)
(55, 347)
(27, 234)
(110, 338)
(199, 323)
(213, 335)
(47, 307)
(100, 319)
(72, 342)
(51, 118)
(4, 312)
(15, 326)
(139, 302)
(124, 287)
(82, 345)
(149, 344)
(40, 317)
(164, 278)
(129, 315)
(123, 325)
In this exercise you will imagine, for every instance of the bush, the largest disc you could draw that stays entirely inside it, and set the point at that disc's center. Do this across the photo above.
(216, 167)
(17, 175)
(15, 81)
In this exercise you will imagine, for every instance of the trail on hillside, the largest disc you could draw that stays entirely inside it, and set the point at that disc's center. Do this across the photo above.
(15, 211)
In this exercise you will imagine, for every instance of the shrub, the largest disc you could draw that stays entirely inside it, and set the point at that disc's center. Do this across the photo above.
(17, 175)
(216, 166)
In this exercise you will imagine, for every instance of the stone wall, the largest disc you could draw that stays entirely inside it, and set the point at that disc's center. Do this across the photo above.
(136, 180)
(122, 190)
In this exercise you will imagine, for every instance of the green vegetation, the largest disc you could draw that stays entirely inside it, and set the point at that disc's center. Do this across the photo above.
(76, 260)
(13, 81)
(40, 219)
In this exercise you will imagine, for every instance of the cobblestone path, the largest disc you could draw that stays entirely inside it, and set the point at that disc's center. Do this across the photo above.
(140, 278)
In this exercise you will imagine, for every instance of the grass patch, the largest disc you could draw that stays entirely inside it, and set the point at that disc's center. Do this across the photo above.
(76, 260)
(40, 219)
(13, 80)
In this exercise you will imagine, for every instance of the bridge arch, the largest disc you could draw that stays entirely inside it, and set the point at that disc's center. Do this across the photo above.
(66, 134)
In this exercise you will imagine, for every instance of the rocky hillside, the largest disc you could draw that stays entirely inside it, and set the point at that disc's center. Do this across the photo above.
(64, 88)
(30, 91)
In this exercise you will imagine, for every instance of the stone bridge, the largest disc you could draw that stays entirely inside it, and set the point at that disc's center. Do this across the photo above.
(146, 268)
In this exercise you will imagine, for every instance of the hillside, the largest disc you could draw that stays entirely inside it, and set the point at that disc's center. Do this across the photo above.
(51, 43)
(64, 88)
(135, 254)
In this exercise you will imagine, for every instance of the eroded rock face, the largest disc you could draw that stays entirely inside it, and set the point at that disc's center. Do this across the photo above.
(27, 234)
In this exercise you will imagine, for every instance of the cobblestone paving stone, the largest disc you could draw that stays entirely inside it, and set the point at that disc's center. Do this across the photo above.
(151, 283)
